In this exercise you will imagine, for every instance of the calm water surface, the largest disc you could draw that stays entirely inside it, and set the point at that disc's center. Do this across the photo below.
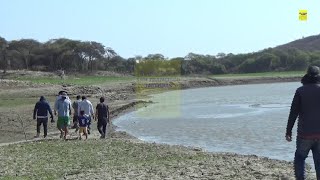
(244, 119)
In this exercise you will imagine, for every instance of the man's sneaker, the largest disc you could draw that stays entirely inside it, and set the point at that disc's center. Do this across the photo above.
(37, 136)
(45, 137)
(102, 136)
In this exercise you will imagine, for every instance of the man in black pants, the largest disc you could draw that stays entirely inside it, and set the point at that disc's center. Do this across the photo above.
(40, 113)
(75, 106)
(305, 107)
(102, 113)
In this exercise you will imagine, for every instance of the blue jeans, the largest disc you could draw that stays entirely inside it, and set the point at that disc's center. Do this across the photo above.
(302, 151)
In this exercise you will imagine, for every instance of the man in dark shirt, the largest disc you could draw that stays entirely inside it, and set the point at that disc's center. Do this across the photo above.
(40, 113)
(75, 106)
(102, 113)
(306, 106)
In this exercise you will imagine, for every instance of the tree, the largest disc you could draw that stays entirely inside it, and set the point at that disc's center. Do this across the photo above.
(60, 54)
(130, 65)
(267, 62)
(248, 66)
(91, 51)
(221, 55)
(155, 57)
(109, 53)
(3, 53)
(299, 60)
(283, 59)
(26, 48)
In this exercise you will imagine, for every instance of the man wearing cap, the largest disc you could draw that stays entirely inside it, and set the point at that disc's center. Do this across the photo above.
(59, 97)
(63, 107)
(40, 113)
(306, 106)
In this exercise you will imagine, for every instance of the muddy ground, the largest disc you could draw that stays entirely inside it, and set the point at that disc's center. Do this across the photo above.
(19, 97)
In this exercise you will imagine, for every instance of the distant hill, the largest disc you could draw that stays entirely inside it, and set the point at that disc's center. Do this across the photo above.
(311, 43)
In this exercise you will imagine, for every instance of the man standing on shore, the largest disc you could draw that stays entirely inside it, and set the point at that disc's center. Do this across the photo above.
(102, 113)
(86, 106)
(40, 113)
(63, 106)
(306, 105)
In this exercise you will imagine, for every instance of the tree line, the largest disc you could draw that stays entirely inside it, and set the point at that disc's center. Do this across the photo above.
(83, 56)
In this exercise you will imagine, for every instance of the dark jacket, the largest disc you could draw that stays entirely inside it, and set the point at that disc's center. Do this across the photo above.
(42, 108)
(308, 79)
(306, 105)
(103, 112)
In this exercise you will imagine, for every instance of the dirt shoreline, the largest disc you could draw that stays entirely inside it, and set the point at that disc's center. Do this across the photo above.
(122, 99)
(119, 96)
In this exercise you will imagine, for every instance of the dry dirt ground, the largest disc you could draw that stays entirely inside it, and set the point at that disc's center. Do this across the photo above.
(19, 97)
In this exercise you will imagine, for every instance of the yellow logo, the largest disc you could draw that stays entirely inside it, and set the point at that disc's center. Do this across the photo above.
(303, 15)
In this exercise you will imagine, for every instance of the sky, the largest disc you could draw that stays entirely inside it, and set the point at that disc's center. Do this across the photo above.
(173, 28)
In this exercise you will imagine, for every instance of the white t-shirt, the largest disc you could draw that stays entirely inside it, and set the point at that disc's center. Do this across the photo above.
(85, 106)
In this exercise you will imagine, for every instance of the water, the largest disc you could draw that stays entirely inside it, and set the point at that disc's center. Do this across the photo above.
(244, 119)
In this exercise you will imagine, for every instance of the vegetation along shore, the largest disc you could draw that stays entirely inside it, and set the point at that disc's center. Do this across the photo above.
(32, 68)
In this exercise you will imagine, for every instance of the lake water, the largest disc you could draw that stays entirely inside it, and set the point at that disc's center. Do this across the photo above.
(244, 119)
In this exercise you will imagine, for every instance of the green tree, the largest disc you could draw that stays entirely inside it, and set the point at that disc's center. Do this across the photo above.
(155, 57)
(3, 54)
(109, 54)
(248, 66)
(26, 48)
(300, 60)
(91, 51)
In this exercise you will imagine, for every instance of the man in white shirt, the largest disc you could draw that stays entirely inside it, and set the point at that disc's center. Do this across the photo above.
(86, 106)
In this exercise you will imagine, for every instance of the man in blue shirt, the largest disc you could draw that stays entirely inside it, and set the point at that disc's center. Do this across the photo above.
(40, 113)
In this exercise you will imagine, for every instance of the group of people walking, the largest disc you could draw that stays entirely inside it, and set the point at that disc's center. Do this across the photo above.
(83, 114)
(305, 107)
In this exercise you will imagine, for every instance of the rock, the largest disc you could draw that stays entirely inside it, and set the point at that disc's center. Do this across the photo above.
(196, 149)
(247, 163)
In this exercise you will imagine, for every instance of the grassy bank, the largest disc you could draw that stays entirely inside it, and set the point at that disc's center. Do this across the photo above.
(260, 75)
(76, 80)
(123, 159)
(98, 80)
